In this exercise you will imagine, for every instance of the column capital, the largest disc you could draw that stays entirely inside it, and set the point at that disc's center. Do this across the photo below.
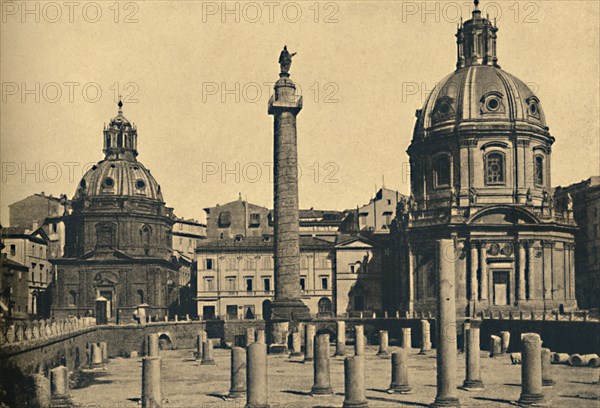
(468, 142)
(548, 244)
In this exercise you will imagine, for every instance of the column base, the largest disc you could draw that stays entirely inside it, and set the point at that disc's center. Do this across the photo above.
(61, 402)
(355, 404)
(290, 310)
(321, 391)
(384, 354)
(340, 353)
(425, 351)
(257, 406)
(236, 394)
(445, 402)
(308, 360)
(400, 389)
(472, 385)
(207, 362)
(296, 354)
(529, 400)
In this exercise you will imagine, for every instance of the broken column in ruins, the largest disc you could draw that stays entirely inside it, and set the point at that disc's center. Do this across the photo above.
(504, 341)
(446, 326)
(406, 337)
(547, 379)
(238, 373)
(383, 344)
(495, 346)
(531, 369)
(309, 342)
(340, 343)
(425, 336)
(322, 382)
(153, 349)
(151, 382)
(207, 353)
(296, 343)
(472, 355)
(359, 340)
(256, 376)
(400, 372)
(354, 383)
(59, 384)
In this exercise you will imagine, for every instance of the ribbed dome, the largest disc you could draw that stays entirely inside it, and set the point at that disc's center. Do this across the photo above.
(476, 94)
(112, 178)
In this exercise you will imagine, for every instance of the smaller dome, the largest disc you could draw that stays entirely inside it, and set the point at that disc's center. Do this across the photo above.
(115, 178)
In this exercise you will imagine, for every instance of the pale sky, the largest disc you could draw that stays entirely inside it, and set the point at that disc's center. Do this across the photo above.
(364, 68)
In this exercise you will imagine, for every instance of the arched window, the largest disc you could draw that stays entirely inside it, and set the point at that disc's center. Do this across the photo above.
(495, 168)
(140, 296)
(441, 171)
(539, 171)
(325, 307)
(72, 298)
(145, 234)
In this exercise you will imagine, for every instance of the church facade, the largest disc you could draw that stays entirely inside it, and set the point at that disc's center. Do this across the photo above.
(118, 244)
(480, 162)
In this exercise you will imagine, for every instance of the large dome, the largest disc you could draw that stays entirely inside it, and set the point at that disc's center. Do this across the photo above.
(476, 94)
(479, 96)
(112, 178)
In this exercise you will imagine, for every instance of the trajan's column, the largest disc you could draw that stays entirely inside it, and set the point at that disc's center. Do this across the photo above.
(285, 105)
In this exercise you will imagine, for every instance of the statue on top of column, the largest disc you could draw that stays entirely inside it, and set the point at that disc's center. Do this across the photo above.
(285, 60)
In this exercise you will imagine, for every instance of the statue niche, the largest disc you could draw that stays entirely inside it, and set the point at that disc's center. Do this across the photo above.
(105, 235)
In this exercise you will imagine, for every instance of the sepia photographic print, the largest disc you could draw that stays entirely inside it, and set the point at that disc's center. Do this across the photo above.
(299, 204)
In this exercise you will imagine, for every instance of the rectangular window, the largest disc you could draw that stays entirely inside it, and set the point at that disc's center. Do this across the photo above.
(254, 220)
(232, 264)
(494, 168)
(303, 263)
(231, 284)
(209, 284)
(13, 249)
(267, 264)
(302, 284)
(267, 284)
(352, 269)
(232, 311)
(324, 283)
(249, 284)
(250, 264)
(208, 264)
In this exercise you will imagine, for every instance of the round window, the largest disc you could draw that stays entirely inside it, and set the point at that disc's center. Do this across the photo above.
(533, 108)
(444, 108)
(493, 104)
(108, 182)
(140, 184)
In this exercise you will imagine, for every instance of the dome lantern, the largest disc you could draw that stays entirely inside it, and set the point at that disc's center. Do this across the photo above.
(476, 41)
(120, 138)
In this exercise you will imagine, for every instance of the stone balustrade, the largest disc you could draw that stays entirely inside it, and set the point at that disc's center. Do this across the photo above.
(30, 331)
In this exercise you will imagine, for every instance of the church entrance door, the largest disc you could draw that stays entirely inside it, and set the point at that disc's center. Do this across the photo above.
(501, 291)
